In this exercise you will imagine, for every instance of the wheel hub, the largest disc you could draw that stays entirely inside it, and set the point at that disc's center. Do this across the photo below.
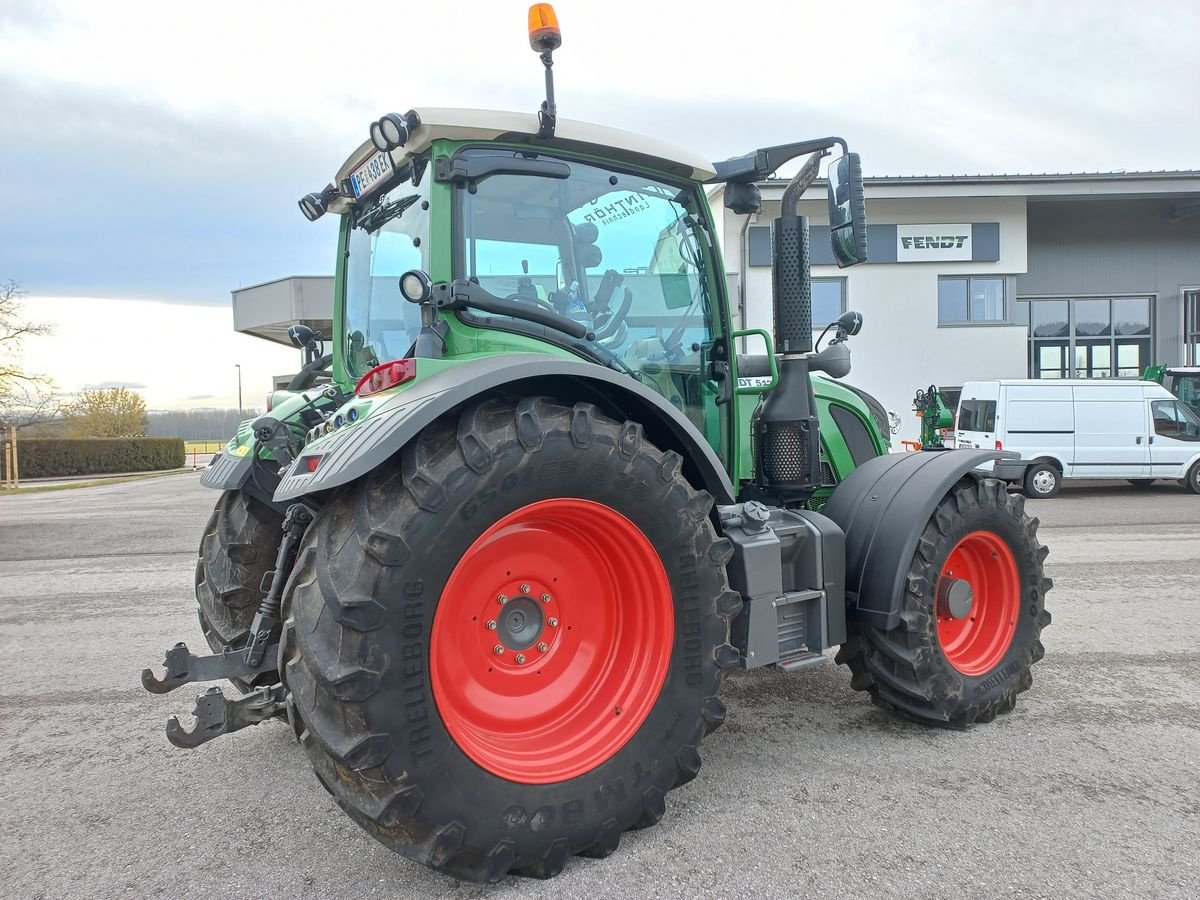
(954, 597)
(978, 601)
(520, 624)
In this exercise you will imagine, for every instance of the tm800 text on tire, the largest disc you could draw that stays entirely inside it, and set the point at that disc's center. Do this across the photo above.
(505, 648)
(974, 609)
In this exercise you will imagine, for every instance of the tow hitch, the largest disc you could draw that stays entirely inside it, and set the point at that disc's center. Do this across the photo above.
(215, 713)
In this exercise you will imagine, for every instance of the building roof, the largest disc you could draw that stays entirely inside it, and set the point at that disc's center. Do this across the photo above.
(1180, 185)
(489, 125)
(1154, 175)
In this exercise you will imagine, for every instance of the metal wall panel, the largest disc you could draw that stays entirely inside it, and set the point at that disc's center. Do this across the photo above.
(1107, 247)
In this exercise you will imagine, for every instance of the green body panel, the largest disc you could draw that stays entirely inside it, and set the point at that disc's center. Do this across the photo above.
(828, 394)
(1155, 374)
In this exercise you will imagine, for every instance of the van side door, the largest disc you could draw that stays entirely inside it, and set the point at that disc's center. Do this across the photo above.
(1111, 432)
(1175, 439)
(1038, 420)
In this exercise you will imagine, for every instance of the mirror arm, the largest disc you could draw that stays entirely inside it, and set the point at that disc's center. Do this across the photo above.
(761, 163)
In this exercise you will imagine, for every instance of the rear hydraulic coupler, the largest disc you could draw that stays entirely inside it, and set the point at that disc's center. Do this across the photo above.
(295, 523)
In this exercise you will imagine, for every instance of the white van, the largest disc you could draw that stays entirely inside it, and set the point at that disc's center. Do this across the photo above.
(1134, 430)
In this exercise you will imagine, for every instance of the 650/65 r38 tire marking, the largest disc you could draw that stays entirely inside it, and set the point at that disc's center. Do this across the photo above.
(551, 640)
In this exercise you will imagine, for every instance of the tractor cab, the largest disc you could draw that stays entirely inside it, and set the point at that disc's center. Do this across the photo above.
(608, 261)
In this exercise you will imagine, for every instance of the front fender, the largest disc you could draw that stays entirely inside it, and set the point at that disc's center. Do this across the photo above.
(883, 506)
(351, 452)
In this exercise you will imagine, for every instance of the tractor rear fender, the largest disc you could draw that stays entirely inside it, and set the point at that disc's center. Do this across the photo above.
(883, 506)
(351, 452)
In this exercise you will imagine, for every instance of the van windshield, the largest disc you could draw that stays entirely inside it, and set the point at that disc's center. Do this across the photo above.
(977, 415)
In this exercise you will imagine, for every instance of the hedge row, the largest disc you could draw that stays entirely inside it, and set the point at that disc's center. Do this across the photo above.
(53, 457)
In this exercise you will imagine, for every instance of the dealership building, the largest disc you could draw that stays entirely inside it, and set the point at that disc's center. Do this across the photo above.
(970, 277)
(995, 276)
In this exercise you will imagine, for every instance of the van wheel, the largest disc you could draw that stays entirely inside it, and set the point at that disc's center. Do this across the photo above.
(1042, 481)
(1192, 480)
(1141, 483)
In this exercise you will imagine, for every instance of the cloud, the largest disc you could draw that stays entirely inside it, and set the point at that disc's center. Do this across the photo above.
(109, 385)
(200, 397)
(167, 165)
(159, 205)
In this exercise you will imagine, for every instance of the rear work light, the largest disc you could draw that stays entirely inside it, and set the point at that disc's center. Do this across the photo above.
(385, 376)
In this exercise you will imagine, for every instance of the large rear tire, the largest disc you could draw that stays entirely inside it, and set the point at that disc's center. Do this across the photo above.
(238, 548)
(974, 609)
(505, 647)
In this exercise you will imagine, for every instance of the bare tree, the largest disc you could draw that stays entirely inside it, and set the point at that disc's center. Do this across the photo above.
(26, 398)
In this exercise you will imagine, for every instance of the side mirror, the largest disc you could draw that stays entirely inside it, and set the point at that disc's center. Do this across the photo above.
(849, 323)
(302, 337)
(847, 211)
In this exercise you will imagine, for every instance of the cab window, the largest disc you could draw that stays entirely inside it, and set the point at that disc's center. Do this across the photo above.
(977, 415)
(1174, 420)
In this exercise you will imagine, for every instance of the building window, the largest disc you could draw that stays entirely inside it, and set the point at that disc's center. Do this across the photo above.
(828, 301)
(971, 299)
(1087, 337)
(1191, 327)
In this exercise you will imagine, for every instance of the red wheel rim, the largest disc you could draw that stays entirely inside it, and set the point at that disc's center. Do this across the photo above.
(975, 643)
(553, 681)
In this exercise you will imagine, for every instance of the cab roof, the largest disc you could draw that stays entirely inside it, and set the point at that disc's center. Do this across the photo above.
(491, 125)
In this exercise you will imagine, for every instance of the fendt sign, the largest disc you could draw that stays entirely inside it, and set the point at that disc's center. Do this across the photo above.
(932, 243)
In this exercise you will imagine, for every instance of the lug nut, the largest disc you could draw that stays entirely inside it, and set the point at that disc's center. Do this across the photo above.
(520, 657)
(545, 598)
(498, 649)
(543, 647)
(502, 599)
(524, 589)
(552, 622)
(491, 625)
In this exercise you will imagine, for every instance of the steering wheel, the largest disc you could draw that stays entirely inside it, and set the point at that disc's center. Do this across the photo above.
(307, 376)
(607, 323)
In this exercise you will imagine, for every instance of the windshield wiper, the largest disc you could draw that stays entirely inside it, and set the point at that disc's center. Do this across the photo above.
(374, 219)
(462, 294)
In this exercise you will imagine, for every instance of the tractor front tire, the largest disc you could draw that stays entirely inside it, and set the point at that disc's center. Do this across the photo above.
(973, 613)
(238, 548)
(504, 647)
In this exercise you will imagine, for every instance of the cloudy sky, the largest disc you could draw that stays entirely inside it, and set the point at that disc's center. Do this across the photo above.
(153, 152)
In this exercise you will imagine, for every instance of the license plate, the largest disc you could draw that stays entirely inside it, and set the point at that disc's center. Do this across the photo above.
(371, 174)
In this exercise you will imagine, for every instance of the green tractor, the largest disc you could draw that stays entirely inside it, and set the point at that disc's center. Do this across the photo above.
(493, 572)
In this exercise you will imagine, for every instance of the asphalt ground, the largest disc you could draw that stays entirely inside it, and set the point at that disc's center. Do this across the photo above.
(1088, 789)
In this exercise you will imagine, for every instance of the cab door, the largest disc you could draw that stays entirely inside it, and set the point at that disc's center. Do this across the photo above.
(1175, 438)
